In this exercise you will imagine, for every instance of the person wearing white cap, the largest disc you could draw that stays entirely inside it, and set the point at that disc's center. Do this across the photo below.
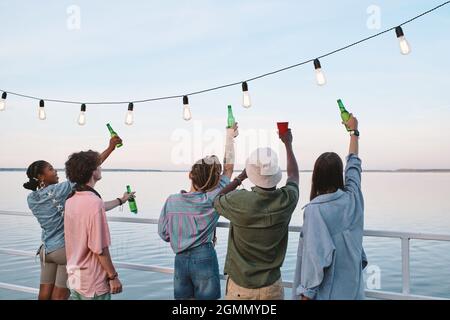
(258, 235)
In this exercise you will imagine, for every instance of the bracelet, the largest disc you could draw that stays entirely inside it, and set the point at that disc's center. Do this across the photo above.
(113, 277)
(238, 180)
(120, 201)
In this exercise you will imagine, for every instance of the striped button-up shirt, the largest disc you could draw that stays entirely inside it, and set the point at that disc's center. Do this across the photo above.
(189, 219)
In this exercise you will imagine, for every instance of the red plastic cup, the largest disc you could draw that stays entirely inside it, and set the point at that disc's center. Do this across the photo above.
(282, 127)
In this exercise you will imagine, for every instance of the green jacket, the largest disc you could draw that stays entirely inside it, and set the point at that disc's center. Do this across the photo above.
(258, 236)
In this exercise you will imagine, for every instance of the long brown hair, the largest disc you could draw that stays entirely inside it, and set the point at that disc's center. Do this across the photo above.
(205, 173)
(327, 175)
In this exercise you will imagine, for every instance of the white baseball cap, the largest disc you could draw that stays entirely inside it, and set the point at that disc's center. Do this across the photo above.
(263, 169)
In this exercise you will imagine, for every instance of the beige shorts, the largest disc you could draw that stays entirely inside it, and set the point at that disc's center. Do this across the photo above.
(53, 269)
(236, 292)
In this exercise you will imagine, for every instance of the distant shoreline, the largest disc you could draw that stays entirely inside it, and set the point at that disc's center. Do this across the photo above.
(157, 170)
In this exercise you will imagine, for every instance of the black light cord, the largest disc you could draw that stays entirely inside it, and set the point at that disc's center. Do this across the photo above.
(238, 82)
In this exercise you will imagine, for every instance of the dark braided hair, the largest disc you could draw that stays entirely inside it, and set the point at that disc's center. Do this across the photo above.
(205, 173)
(33, 171)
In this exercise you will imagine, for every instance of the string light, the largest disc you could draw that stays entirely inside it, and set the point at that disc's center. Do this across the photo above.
(246, 102)
(3, 101)
(186, 109)
(320, 76)
(82, 116)
(41, 111)
(404, 45)
(129, 118)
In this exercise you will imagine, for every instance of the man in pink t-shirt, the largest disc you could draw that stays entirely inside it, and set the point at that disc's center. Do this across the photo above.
(91, 273)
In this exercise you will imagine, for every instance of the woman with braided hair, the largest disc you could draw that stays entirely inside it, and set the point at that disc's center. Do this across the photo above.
(188, 221)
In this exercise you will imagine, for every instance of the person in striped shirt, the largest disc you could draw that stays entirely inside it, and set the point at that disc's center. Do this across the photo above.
(188, 221)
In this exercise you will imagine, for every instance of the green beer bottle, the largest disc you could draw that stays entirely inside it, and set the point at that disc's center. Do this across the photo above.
(132, 202)
(113, 134)
(230, 120)
(345, 115)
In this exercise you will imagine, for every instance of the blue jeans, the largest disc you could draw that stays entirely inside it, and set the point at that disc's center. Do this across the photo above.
(197, 274)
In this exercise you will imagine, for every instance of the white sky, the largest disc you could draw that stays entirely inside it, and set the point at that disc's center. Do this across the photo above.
(142, 49)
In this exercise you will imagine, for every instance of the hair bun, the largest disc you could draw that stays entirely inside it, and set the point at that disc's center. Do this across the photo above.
(31, 185)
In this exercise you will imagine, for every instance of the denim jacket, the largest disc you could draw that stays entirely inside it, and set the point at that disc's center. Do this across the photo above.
(47, 205)
(330, 257)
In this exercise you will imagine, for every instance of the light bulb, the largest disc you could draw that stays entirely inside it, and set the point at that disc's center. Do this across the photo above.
(82, 116)
(129, 118)
(404, 45)
(186, 109)
(320, 76)
(42, 115)
(3, 101)
(82, 119)
(246, 102)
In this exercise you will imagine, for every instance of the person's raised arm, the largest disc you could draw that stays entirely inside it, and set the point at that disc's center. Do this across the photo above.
(292, 166)
(353, 168)
(229, 158)
(112, 145)
(352, 125)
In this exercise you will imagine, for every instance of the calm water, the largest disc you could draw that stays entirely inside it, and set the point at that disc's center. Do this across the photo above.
(394, 201)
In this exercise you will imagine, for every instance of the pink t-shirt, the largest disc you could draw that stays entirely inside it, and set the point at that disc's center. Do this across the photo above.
(86, 235)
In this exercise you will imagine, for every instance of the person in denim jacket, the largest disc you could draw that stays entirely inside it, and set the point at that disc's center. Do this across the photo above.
(331, 258)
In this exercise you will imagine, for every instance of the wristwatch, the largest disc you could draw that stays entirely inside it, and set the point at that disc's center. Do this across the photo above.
(354, 133)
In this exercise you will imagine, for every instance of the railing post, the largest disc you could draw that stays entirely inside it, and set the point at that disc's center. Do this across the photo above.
(405, 266)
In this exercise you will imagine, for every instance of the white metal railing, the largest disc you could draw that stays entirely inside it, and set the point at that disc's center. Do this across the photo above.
(404, 237)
